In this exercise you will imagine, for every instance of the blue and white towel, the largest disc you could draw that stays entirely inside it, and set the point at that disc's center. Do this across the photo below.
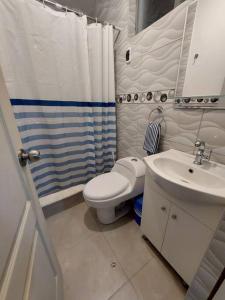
(152, 137)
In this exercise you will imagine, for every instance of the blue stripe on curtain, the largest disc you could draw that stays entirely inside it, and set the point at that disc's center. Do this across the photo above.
(56, 172)
(27, 115)
(71, 153)
(68, 135)
(76, 140)
(72, 144)
(36, 102)
(65, 163)
(63, 125)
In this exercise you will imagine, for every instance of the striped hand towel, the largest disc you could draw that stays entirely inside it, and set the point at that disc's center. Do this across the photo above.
(152, 137)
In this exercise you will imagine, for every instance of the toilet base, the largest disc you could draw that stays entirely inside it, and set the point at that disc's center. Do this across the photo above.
(112, 214)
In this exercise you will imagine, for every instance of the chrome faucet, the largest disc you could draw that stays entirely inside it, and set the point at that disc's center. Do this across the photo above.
(201, 153)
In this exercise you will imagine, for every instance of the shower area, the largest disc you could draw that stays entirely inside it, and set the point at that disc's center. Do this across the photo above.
(59, 72)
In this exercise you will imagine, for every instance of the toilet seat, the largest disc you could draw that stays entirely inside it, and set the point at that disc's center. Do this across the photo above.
(106, 186)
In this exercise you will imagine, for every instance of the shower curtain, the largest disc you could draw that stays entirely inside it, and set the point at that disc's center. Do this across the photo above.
(59, 72)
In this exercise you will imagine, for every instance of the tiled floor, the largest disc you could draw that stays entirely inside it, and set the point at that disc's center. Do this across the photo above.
(101, 262)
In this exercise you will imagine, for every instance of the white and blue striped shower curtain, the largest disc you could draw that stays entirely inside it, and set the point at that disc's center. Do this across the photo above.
(59, 72)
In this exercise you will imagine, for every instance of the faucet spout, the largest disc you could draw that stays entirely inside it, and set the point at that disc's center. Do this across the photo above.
(200, 154)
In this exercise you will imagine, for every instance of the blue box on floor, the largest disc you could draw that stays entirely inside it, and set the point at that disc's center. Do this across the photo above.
(138, 202)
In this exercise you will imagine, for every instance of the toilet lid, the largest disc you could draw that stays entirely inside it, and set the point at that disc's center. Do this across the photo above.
(105, 186)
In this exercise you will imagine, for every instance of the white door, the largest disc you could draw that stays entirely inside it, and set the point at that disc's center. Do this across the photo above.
(28, 266)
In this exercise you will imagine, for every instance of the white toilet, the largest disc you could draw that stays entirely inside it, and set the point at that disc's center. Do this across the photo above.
(109, 192)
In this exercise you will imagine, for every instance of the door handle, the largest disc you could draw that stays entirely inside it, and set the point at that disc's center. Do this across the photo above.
(24, 156)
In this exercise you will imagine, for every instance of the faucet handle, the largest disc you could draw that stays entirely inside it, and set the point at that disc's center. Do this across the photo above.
(207, 154)
(199, 143)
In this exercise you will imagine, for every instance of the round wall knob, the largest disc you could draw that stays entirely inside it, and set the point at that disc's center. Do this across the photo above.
(163, 208)
(214, 100)
(128, 97)
(136, 97)
(174, 217)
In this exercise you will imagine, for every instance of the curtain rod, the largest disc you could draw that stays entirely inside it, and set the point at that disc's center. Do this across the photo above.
(79, 13)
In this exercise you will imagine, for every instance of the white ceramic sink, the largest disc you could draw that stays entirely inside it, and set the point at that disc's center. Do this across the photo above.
(176, 173)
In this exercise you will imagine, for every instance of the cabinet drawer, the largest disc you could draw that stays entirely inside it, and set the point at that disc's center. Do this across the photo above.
(155, 216)
(185, 243)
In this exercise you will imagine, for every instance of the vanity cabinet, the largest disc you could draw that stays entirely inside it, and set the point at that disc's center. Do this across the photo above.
(176, 232)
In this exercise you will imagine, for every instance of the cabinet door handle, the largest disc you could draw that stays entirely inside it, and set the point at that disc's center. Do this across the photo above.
(163, 208)
(174, 217)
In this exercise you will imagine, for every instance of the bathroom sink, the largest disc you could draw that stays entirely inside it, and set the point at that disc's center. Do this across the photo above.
(176, 173)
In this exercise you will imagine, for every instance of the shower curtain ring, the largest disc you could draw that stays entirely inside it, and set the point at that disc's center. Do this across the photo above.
(96, 20)
(43, 3)
(66, 10)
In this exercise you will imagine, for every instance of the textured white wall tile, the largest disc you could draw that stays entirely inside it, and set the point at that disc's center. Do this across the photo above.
(166, 30)
(154, 64)
(182, 125)
(132, 17)
(155, 54)
(167, 145)
(158, 69)
(179, 127)
(212, 130)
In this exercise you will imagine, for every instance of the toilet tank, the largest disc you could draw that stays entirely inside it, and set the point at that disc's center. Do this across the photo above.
(133, 169)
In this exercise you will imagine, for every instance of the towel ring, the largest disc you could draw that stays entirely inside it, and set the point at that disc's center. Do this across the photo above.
(159, 109)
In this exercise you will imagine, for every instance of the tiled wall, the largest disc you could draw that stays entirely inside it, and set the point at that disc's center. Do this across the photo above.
(155, 56)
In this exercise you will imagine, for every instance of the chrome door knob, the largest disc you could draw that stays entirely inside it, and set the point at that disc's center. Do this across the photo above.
(24, 156)
(34, 155)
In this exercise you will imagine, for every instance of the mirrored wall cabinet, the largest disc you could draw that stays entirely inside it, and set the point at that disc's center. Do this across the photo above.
(201, 75)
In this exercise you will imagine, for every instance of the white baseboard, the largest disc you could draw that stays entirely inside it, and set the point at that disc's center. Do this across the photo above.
(58, 196)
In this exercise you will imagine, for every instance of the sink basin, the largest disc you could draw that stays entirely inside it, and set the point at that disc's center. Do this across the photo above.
(176, 173)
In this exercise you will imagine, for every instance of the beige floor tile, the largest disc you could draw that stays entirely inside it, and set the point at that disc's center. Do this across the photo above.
(126, 292)
(126, 240)
(157, 282)
(70, 227)
(87, 270)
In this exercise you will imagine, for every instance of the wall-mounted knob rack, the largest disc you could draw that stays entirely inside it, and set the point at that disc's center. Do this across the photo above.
(206, 102)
